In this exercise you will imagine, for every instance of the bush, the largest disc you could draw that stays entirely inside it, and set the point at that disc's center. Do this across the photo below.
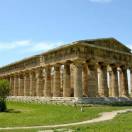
(4, 92)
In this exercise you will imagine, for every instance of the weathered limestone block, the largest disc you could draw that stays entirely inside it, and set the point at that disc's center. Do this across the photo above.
(123, 82)
(103, 86)
(47, 87)
(67, 86)
(56, 81)
(78, 79)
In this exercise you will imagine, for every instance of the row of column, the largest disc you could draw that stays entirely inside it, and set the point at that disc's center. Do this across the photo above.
(86, 79)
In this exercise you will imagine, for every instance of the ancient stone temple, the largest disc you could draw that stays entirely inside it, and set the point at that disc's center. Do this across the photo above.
(83, 69)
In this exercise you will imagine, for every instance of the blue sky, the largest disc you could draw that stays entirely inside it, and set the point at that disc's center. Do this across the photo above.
(29, 27)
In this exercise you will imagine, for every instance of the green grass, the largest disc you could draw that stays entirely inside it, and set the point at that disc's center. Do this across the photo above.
(121, 123)
(23, 114)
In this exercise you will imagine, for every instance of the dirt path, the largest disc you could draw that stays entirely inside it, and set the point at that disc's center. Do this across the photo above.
(103, 117)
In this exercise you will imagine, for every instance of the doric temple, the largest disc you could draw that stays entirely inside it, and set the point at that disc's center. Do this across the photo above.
(85, 68)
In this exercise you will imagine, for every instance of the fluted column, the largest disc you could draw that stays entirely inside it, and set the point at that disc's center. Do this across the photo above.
(39, 82)
(11, 85)
(72, 79)
(85, 80)
(21, 85)
(32, 83)
(47, 86)
(26, 84)
(66, 86)
(92, 80)
(78, 79)
(123, 82)
(56, 82)
(131, 82)
(110, 80)
(113, 76)
(16, 85)
(102, 74)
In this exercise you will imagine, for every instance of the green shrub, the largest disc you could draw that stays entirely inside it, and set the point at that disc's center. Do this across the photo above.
(4, 92)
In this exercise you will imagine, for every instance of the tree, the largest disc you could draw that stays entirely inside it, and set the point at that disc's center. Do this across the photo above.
(4, 92)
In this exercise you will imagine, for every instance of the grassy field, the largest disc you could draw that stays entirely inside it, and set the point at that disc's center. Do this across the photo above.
(23, 114)
(121, 123)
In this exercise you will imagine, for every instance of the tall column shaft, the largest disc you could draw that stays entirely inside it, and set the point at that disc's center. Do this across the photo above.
(12, 85)
(21, 85)
(110, 80)
(131, 82)
(114, 82)
(123, 82)
(47, 86)
(66, 86)
(92, 81)
(26, 84)
(32, 84)
(85, 80)
(56, 85)
(72, 79)
(15, 85)
(39, 82)
(103, 87)
(78, 80)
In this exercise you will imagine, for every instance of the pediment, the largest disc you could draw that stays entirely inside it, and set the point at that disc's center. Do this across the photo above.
(109, 43)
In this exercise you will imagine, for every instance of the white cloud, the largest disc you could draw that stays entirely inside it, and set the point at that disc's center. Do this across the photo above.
(28, 46)
(43, 46)
(100, 1)
(14, 44)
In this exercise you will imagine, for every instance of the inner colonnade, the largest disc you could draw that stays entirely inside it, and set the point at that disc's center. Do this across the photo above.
(85, 68)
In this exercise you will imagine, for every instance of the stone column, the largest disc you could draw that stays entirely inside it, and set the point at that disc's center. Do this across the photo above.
(85, 80)
(66, 77)
(72, 79)
(113, 76)
(15, 85)
(78, 79)
(131, 82)
(123, 82)
(21, 85)
(103, 86)
(39, 82)
(12, 85)
(110, 80)
(56, 81)
(47, 86)
(92, 80)
(26, 84)
(32, 91)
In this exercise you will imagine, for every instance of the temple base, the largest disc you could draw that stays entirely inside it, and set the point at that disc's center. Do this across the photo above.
(73, 100)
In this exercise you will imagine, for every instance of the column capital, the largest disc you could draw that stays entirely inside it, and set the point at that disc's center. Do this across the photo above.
(57, 66)
(102, 64)
(112, 67)
(39, 72)
(48, 67)
(79, 61)
(67, 63)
